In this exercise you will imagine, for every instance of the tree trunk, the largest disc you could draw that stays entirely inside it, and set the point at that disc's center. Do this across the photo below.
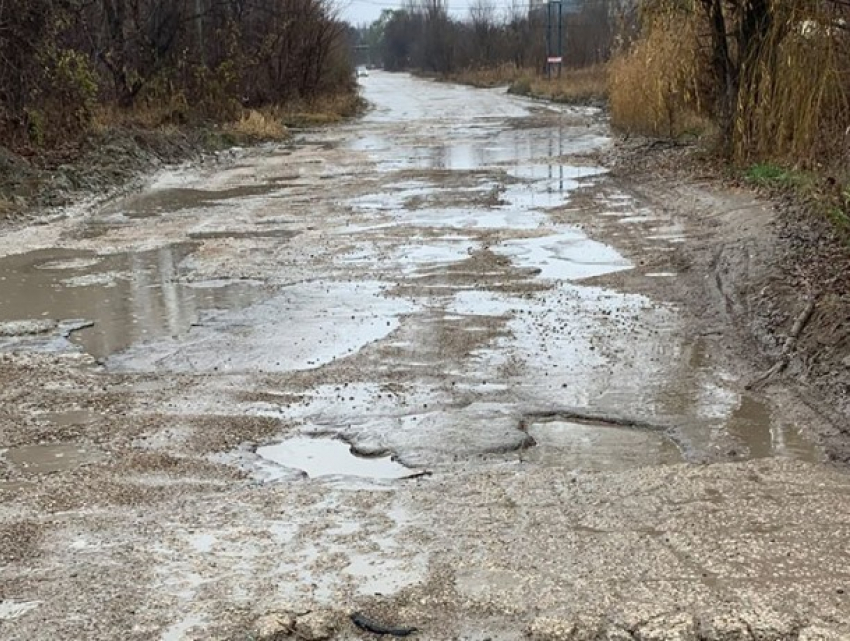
(725, 73)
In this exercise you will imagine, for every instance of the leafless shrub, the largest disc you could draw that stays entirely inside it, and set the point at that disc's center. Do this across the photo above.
(65, 62)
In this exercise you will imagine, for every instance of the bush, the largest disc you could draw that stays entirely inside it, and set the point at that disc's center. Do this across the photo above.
(67, 66)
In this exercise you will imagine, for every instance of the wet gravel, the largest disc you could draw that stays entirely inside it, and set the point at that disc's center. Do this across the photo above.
(455, 282)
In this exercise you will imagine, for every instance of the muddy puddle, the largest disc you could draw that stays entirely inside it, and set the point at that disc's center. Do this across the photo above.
(305, 326)
(760, 434)
(169, 200)
(117, 300)
(599, 447)
(320, 457)
(565, 256)
(49, 458)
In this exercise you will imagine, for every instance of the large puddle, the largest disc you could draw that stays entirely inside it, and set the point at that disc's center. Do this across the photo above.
(304, 327)
(127, 298)
(168, 200)
(318, 457)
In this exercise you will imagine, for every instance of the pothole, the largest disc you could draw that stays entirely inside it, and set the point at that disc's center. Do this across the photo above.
(319, 457)
(225, 234)
(55, 457)
(599, 446)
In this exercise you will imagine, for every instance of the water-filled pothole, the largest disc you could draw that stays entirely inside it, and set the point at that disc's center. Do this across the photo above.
(170, 200)
(319, 457)
(599, 447)
(54, 457)
(127, 297)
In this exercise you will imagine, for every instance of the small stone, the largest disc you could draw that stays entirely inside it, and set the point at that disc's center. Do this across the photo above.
(725, 628)
(315, 626)
(616, 633)
(274, 626)
(573, 629)
(673, 627)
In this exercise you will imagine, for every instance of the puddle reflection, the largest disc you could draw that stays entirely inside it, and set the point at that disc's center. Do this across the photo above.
(129, 297)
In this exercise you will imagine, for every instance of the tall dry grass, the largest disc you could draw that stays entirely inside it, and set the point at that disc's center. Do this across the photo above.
(794, 102)
(655, 85)
(793, 89)
(256, 125)
(495, 76)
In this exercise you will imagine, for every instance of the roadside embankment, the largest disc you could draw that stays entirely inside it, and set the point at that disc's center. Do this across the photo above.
(774, 262)
(115, 158)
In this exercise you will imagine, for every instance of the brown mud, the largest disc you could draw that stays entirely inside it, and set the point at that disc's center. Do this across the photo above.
(762, 260)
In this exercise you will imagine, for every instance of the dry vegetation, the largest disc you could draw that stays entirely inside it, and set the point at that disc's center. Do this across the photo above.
(772, 76)
(71, 68)
(583, 85)
(769, 78)
(654, 85)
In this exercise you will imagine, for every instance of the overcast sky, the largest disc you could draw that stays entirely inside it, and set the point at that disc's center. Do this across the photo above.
(358, 12)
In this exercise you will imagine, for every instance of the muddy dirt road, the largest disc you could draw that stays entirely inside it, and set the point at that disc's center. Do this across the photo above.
(435, 366)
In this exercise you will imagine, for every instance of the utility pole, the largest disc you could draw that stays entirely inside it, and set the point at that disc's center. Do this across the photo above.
(554, 37)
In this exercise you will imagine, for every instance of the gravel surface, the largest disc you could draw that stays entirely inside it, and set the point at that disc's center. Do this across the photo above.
(458, 281)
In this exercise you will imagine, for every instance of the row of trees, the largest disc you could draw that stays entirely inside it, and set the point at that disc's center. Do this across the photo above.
(60, 60)
(425, 36)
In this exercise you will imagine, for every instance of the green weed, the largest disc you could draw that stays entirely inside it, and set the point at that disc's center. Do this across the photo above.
(768, 174)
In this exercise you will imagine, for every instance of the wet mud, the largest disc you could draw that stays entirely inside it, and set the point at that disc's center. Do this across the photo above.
(434, 360)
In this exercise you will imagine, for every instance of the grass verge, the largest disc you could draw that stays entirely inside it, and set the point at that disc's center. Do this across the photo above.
(826, 196)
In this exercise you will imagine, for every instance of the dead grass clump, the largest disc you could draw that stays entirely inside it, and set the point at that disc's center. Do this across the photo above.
(326, 109)
(259, 125)
(579, 86)
(654, 86)
(497, 76)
